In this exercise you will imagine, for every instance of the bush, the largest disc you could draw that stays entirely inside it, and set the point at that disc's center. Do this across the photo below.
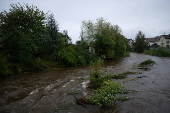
(70, 57)
(106, 90)
(147, 62)
(161, 52)
(96, 79)
(106, 95)
(35, 65)
(22, 32)
(96, 72)
(4, 71)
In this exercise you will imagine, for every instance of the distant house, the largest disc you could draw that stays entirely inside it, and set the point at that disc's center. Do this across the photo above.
(164, 41)
(153, 41)
(91, 50)
(130, 43)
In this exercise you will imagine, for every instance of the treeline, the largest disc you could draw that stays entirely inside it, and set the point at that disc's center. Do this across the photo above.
(30, 36)
(105, 37)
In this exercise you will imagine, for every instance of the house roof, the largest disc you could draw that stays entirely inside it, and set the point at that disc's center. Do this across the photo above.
(152, 39)
(129, 40)
(166, 36)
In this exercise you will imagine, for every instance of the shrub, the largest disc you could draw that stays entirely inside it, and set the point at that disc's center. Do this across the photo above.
(161, 52)
(147, 62)
(96, 79)
(106, 90)
(35, 65)
(81, 60)
(106, 95)
(70, 57)
(4, 71)
(96, 72)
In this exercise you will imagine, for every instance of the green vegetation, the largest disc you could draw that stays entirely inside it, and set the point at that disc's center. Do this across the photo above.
(147, 62)
(96, 72)
(144, 68)
(161, 52)
(141, 76)
(123, 75)
(64, 107)
(32, 42)
(105, 37)
(140, 44)
(106, 95)
(4, 71)
(106, 92)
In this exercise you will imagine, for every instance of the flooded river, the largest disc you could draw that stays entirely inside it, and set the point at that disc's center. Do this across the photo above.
(55, 91)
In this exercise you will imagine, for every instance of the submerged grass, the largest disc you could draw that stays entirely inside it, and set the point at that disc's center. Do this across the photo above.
(105, 92)
(144, 68)
(141, 76)
(65, 107)
(123, 75)
(106, 95)
(147, 62)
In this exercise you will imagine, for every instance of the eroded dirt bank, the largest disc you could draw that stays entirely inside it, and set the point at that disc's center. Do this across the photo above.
(53, 92)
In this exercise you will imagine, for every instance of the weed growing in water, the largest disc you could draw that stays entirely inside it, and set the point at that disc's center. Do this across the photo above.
(96, 72)
(123, 75)
(106, 95)
(141, 76)
(106, 92)
(147, 62)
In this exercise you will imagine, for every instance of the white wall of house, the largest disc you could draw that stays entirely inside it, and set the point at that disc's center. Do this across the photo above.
(91, 50)
(130, 43)
(168, 42)
(151, 43)
(164, 42)
(157, 43)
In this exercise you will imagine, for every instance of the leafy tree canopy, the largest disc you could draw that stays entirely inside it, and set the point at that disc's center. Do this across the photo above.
(22, 31)
(140, 44)
(105, 37)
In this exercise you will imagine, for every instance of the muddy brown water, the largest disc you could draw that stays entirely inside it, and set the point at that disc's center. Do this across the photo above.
(54, 91)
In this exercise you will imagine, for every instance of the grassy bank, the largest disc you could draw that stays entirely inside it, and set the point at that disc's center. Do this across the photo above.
(161, 52)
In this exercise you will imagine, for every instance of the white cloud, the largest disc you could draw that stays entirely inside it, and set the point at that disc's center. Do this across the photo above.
(150, 16)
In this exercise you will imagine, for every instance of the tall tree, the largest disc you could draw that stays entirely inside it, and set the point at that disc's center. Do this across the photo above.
(105, 37)
(52, 31)
(52, 28)
(140, 44)
(22, 31)
(67, 37)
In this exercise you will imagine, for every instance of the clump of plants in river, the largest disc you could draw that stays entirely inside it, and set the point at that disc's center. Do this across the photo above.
(143, 65)
(122, 75)
(105, 92)
(147, 62)
(106, 95)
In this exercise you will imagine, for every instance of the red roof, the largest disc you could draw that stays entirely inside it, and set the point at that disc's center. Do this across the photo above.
(152, 39)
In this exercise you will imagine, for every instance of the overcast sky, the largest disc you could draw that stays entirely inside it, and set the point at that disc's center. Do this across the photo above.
(152, 17)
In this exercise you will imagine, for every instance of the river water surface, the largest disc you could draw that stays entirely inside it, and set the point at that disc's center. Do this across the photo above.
(55, 91)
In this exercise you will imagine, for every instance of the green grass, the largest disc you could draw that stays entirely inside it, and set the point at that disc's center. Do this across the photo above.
(147, 62)
(161, 52)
